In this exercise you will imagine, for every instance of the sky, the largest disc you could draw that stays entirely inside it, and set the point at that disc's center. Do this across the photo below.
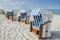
(29, 4)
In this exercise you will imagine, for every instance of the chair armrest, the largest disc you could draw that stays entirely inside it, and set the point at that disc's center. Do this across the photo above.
(41, 29)
(46, 22)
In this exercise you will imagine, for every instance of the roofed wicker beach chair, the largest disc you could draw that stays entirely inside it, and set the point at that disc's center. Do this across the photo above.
(9, 14)
(24, 16)
(16, 14)
(2, 11)
(40, 23)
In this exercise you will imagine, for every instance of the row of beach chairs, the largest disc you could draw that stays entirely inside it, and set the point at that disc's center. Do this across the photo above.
(16, 15)
(39, 20)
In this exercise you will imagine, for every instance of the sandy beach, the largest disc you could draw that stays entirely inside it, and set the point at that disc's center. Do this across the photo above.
(55, 23)
(14, 30)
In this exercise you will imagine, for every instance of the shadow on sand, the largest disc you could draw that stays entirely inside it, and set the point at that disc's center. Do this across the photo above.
(55, 35)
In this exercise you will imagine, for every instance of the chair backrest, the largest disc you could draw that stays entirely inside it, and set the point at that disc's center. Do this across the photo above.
(9, 13)
(37, 18)
(23, 15)
(33, 13)
(37, 21)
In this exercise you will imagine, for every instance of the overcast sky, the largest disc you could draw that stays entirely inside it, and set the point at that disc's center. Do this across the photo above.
(29, 4)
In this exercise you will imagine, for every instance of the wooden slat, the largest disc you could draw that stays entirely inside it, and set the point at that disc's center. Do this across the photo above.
(23, 21)
(6, 15)
(31, 26)
(12, 18)
(26, 20)
(34, 30)
(19, 19)
(40, 31)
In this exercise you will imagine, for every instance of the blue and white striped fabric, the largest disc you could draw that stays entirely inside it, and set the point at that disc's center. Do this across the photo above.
(23, 15)
(37, 21)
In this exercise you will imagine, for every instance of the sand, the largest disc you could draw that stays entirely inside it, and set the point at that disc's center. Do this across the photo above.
(55, 23)
(14, 30)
